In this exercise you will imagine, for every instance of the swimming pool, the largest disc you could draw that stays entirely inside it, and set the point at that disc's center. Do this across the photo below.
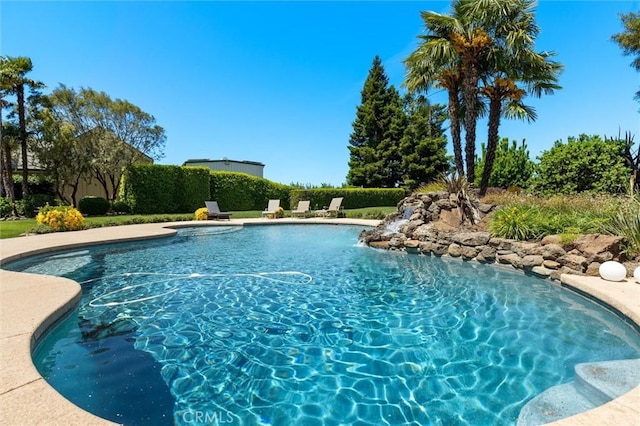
(347, 334)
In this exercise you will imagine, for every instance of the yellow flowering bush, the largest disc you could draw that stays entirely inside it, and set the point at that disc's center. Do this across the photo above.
(201, 214)
(60, 218)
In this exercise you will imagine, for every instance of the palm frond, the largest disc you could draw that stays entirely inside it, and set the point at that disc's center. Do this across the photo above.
(514, 109)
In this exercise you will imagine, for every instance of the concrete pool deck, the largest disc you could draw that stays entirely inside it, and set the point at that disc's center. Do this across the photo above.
(30, 304)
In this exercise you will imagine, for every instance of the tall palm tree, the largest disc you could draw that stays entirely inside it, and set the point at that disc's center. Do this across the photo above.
(511, 67)
(451, 54)
(8, 141)
(422, 73)
(505, 91)
(13, 81)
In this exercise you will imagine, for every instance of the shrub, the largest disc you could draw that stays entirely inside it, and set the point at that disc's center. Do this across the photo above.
(6, 208)
(201, 214)
(370, 214)
(94, 206)
(120, 207)
(29, 206)
(584, 164)
(60, 218)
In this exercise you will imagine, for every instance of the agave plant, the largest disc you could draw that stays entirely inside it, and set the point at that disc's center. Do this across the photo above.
(458, 185)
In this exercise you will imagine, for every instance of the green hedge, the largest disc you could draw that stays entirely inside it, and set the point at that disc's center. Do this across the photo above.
(354, 198)
(239, 191)
(152, 188)
(159, 189)
(193, 188)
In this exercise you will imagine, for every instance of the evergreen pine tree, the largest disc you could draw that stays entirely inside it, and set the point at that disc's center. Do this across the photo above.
(389, 149)
(423, 145)
(512, 165)
(370, 129)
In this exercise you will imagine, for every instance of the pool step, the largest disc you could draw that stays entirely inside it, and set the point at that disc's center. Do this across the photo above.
(595, 384)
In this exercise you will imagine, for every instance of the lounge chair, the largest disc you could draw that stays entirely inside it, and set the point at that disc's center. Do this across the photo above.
(302, 210)
(334, 208)
(213, 211)
(272, 209)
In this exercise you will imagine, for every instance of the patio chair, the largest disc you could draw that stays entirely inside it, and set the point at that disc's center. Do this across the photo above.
(334, 208)
(302, 209)
(272, 209)
(213, 211)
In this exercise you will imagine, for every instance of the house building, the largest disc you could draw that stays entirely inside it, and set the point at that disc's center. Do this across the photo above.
(86, 186)
(250, 167)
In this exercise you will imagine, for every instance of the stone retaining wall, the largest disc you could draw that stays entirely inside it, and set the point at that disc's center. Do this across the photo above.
(431, 224)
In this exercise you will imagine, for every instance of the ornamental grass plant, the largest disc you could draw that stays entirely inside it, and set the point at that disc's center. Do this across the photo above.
(626, 222)
(532, 218)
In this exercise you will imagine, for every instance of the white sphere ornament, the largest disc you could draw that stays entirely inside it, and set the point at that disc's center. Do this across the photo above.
(636, 274)
(613, 271)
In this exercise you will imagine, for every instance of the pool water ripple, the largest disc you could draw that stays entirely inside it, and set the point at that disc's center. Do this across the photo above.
(297, 325)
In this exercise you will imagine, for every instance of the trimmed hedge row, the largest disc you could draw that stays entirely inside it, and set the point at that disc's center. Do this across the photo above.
(354, 198)
(241, 191)
(152, 188)
(158, 189)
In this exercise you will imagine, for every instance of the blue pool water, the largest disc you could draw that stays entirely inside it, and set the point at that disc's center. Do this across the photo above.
(287, 325)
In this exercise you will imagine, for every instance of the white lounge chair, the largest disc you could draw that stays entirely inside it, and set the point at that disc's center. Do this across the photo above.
(272, 209)
(333, 210)
(213, 211)
(302, 209)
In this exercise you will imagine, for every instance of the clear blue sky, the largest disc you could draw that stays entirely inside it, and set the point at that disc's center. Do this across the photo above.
(279, 82)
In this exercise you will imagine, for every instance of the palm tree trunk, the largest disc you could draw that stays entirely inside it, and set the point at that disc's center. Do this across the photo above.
(470, 90)
(7, 171)
(495, 109)
(23, 141)
(455, 130)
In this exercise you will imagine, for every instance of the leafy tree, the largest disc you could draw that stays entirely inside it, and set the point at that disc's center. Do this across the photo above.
(512, 165)
(586, 163)
(115, 133)
(373, 160)
(631, 160)
(423, 145)
(64, 152)
(13, 81)
(629, 39)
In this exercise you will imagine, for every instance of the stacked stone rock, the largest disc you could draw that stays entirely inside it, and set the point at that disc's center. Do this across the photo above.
(434, 227)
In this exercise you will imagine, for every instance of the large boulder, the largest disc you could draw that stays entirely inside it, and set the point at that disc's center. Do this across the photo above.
(552, 251)
(472, 239)
(595, 244)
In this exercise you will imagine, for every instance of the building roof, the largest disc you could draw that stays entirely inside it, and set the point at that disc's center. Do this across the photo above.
(222, 160)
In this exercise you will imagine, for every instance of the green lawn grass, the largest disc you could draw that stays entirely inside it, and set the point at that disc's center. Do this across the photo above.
(15, 228)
